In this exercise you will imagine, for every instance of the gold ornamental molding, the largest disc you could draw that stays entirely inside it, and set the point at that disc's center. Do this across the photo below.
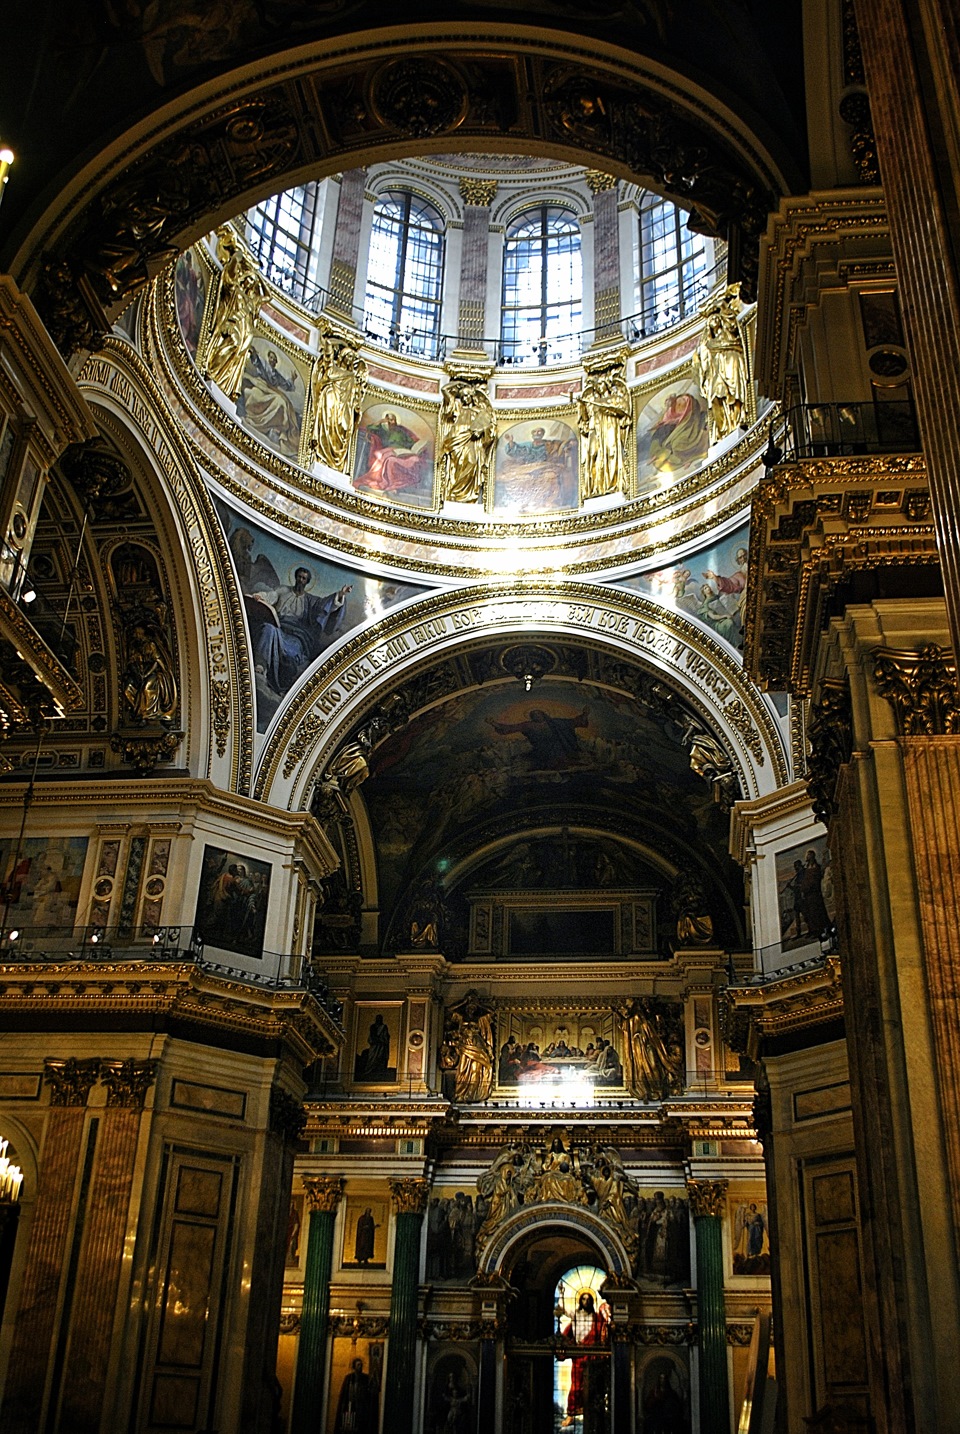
(814, 524)
(323, 1192)
(921, 686)
(707, 1197)
(801, 1001)
(364, 670)
(211, 1006)
(409, 1196)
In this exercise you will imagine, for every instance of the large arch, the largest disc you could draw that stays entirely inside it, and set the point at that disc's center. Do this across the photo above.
(213, 150)
(366, 667)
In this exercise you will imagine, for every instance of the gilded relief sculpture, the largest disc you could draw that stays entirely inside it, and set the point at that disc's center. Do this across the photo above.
(466, 440)
(605, 419)
(337, 388)
(149, 680)
(720, 365)
(242, 291)
(653, 1047)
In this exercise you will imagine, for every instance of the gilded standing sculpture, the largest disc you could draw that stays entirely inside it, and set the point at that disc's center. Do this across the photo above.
(720, 365)
(466, 440)
(242, 291)
(337, 387)
(604, 421)
(468, 1035)
(149, 681)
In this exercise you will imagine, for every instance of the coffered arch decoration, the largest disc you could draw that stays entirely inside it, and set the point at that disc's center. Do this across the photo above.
(357, 682)
(214, 709)
(223, 147)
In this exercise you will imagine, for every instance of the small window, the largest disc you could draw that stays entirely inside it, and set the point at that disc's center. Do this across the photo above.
(280, 233)
(542, 287)
(405, 275)
(674, 275)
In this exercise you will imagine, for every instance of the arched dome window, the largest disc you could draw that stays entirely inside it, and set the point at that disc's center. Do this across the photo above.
(280, 233)
(405, 274)
(673, 270)
(542, 287)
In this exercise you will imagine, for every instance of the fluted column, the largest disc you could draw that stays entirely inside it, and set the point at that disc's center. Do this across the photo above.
(409, 1201)
(707, 1198)
(477, 195)
(58, 1214)
(606, 255)
(346, 243)
(323, 1197)
(102, 1251)
(911, 59)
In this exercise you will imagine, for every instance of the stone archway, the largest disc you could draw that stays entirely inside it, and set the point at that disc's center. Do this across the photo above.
(582, 1222)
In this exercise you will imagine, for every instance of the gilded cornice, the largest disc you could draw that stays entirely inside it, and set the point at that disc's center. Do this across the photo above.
(76, 992)
(49, 387)
(48, 672)
(179, 795)
(797, 1001)
(843, 219)
(425, 541)
(701, 667)
(814, 524)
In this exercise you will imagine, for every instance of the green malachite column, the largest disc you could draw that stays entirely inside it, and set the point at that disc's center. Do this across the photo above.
(409, 1201)
(707, 1198)
(323, 1196)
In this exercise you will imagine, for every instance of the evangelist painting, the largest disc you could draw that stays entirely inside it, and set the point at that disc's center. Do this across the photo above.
(710, 585)
(188, 285)
(672, 436)
(805, 888)
(394, 454)
(41, 883)
(536, 468)
(297, 605)
(272, 397)
(232, 901)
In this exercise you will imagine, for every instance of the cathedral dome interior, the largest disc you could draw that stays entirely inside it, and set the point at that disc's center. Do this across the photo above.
(479, 721)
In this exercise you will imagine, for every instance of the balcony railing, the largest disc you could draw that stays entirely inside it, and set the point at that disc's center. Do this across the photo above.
(840, 430)
(158, 945)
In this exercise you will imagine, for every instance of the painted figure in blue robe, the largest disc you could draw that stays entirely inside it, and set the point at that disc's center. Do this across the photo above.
(294, 629)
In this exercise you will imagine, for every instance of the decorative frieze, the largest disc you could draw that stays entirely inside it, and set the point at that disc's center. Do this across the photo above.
(815, 525)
